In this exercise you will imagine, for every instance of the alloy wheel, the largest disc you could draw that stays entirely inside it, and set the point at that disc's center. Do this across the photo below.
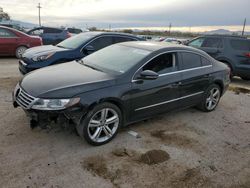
(103, 125)
(213, 98)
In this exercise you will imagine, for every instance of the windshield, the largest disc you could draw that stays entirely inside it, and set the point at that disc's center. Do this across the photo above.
(75, 41)
(115, 58)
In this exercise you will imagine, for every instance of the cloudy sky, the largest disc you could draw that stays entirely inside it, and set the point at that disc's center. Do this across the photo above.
(132, 13)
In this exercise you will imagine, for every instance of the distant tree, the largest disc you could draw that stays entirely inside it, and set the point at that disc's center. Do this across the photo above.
(92, 29)
(4, 15)
(127, 31)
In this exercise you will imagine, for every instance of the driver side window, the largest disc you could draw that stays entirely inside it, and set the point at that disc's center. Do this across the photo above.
(161, 64)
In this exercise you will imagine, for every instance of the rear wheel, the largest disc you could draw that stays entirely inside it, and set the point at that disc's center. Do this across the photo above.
(211, 98)
(20, 50)
(245, 77)
(101, 124)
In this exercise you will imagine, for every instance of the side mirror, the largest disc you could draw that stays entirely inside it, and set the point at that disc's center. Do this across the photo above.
(148, 75)
(88, 49)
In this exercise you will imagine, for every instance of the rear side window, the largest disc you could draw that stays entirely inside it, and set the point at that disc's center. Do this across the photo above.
(101, 42)
(243, 45)
(162, 64)
(52, 30)
(212, 43)
(4, 33)
(205, 61)
(122, 39)
(190, 60)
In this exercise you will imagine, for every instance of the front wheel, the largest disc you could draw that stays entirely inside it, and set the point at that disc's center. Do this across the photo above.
(101, 124)
(211, 98)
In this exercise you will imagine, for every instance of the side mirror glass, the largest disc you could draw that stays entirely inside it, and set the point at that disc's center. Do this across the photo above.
(148, 75)
(88, 49)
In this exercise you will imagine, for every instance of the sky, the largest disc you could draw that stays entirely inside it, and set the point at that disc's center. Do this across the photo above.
(188, 14)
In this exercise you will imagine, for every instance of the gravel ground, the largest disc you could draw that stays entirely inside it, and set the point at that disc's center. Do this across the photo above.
(188, 148)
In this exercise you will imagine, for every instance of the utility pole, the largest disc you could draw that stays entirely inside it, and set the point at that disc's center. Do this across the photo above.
(170, 25)
(244, 25)
(39, 8)
(109, 27)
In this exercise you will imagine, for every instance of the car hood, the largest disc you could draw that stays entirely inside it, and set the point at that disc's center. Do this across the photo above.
(41, 50)
(64, 81)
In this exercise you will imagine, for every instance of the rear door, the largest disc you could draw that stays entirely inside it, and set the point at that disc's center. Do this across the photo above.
(241, 52)
(8, 42)
(150, 97)
(196, 77)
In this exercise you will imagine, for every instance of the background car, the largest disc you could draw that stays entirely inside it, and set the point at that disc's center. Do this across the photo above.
(74, 31)
(172, 40)
(73, 48)
(122, 84)
(14, 42)
(231, 50)
(50, 35)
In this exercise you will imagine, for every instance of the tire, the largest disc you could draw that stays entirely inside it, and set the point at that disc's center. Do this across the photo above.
(231, 69)
(95, 128)
(20, 50)
(245, 78)
(210, 99)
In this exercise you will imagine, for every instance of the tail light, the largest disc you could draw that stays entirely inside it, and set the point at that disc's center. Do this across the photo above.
(68, 34)
(247, 54)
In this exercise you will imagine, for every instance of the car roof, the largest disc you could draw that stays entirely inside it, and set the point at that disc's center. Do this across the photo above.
(96, 33)
(155, 46)
(225, 36)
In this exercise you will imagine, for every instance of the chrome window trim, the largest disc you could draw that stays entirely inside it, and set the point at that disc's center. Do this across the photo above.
(174, 72)
(109, 35)
(165, 102)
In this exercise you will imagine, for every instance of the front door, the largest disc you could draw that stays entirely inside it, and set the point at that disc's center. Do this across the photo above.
(150, 97)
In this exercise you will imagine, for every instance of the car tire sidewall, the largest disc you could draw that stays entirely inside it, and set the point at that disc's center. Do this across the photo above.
(17, 55)
(203, 105)
(82, 128)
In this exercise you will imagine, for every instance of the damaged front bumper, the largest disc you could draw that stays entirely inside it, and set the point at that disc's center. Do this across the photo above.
(42, 117)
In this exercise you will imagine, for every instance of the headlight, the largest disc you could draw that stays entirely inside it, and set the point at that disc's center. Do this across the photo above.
(54, 104)
(42, 57)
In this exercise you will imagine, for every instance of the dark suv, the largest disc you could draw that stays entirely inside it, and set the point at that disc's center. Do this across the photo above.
(50, 35)
(231, 50)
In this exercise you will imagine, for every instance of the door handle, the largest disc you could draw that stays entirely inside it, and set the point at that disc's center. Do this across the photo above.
(176, 84)
(207, 75)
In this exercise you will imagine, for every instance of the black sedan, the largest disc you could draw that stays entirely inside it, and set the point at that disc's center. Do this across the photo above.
(73, 48)
(121, 84)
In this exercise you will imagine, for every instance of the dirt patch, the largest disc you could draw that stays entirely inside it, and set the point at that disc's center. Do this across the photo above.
(9, 83)
(97, 166)
(192, 178)
(238, 90)
(154, 157)
(173, 138)
(120, 152)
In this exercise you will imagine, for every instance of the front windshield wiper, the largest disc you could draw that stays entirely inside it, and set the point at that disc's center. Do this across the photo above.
(82, 62)
(63, 47)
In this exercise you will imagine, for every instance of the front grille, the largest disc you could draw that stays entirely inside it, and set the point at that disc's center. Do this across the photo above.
(23, 99)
